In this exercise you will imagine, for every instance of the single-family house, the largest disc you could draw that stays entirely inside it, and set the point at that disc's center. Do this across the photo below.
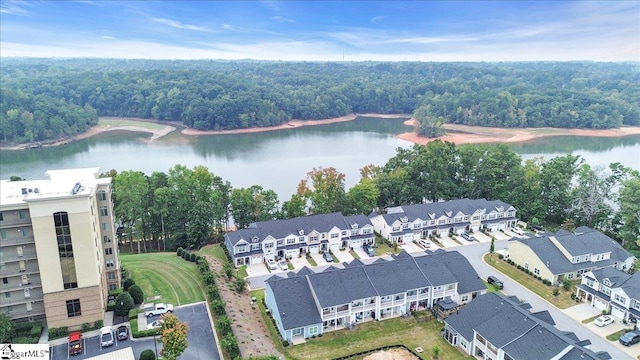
(569, 254)
(613, 291)
(288, 238)
(497, 327)
(305, 304)
(407, 223)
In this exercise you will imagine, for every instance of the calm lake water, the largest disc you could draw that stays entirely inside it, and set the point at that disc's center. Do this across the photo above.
(278, 160)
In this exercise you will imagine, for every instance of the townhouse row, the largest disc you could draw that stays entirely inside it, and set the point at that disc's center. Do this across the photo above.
(307, 304)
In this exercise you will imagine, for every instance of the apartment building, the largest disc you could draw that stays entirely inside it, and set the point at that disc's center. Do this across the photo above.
(58, 251)
(406, 223)
(613, 291)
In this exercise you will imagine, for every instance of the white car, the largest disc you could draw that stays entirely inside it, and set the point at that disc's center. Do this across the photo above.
(283, 265)
(424, 243)
(271, 263)
(517, 230)
(106, 336)
(603, 320)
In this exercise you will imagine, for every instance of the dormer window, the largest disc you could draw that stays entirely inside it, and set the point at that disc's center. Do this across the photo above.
(432, 215)
(354, 226)
(449, 213)
(300, 232)
(606, 282)
(404, 219)
(254, 239)
(500, 208)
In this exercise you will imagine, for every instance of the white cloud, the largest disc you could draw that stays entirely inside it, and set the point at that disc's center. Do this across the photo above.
(282, 19)
(107, 37)
(10, 7)
(377, 19)
(179, 25)
(227, 26)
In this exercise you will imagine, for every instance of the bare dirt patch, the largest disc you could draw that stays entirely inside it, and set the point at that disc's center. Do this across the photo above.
(246, 321)
(391, 354)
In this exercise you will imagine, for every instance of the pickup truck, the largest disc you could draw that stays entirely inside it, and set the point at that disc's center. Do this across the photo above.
(75, 343)
(158, 309)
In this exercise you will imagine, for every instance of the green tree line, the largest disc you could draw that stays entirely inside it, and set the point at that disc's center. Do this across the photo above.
(218, 95)
(189, 207)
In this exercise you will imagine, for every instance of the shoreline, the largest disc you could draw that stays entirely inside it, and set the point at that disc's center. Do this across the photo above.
(468, 134)
(457, 134)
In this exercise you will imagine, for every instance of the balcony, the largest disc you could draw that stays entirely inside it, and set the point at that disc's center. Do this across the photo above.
(34, 283)
(29, 254)
(11, 222)
(22, 240)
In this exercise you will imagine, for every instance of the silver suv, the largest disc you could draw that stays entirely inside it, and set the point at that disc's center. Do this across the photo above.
(467, 236)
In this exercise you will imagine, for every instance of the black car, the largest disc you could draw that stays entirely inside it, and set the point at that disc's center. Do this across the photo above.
(495, 281)
(630, 338)
(327, 256)
(122, 333)
(369, 250)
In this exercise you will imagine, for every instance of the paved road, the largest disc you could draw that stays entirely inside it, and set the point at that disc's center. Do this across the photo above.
(563, 322)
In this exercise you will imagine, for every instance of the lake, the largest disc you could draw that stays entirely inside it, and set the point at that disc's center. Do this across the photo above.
(278, 160)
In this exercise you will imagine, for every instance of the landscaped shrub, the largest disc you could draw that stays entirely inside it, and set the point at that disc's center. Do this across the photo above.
(519, 267)
(98, 324)
(566, 284)
(111, 305)
(209, 278)
(179, 251)
(203, 265)
(147, 354)
(500, 256)
(239, 284)
(223, 324)
(217, 306)
(133, 314)
(128, 283)
(116, 292)
(57, 333)
(124, 303)
(193, 257)
(213, 292)
(25, 340)
(36, 330)
(136, 293)
(556, 292)
(285, 343)
(229, 270)
(85, 327)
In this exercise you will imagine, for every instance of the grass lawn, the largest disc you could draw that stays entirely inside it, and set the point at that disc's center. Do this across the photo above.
(123, 122)
(354, 254)
(166, 275)
(382, 248)
(311, 261)
(586, 321)
(616, 335)
(214, 250)
(410, 332)
(562, 301)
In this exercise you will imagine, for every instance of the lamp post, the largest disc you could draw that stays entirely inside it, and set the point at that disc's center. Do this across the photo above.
(155, 344)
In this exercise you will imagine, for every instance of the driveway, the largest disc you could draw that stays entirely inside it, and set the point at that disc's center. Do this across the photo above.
(501, 236)
(258, 270)
(360, 251)
(564, 322)
(343, 256)
(412, 248)
(446, 242)
(482, 237)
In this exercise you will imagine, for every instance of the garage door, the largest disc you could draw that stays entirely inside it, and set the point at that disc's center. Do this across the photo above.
(618, 313)
(355, 244)
(334, 247)
(256, 259)
(314, 249)
(600, 304)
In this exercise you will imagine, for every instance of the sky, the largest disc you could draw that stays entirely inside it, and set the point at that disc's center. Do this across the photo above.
(323, 30)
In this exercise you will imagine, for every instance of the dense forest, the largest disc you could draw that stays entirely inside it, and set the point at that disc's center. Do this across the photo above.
(48, 98)
(189, 207)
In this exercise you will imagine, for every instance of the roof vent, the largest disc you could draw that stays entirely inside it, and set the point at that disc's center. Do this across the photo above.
(76, 188)
(24, 191)
(36, 190)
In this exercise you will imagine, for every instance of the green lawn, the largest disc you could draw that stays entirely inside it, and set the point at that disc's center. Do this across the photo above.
(410, 332)
(586, 321)
(354, 254)
(166, 275)
(562, 301)
(214, 250)
(311, 261)
(382, 248)
(616, 335)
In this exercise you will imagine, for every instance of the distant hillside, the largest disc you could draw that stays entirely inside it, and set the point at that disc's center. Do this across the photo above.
(47, 98)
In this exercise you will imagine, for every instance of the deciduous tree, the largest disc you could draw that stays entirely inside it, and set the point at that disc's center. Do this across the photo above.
(173, 336)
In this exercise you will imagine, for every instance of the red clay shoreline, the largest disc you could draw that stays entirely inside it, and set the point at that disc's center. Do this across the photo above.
(458, 134)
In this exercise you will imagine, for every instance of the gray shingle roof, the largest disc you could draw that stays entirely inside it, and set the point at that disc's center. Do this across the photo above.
(519, 333)
(282, 228)
(398, 276)
(620, 279)
(586, 241)
(461, 269)
(295, 302)
(447, 208)
(341, 286)
(435, 269)
(544, 316)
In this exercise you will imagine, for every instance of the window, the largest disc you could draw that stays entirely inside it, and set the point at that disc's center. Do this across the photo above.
(111, 275)
(280, 242)
(313, 238)
(476, 218)
(3, 234)
(570, 276)
(465, 298)
(344, 232)
(113, 286)
(636, 305)
(589, 283)
(313, 330)
(27, 293)
(605, 290)
(108, 251)
(466, 218)
(291, 241)
(296, 332)
(396, 228)
(432, 222)
(102, 195)
(106, 239)
(104, 211)
(536, 271)
(22, 214)
(25, 279)
(458, 219)
(268, 245)
(5, 280)
(65, 250)
(301, 239)
(103, 226)
(526, 266)
(335, 235)
(255, 247)
(73, 308)
(242, 248)
(1, 217)
(110, 263)
(451, 286)
(24, 232)
(7, 294)
(620, 299)
(442, 221)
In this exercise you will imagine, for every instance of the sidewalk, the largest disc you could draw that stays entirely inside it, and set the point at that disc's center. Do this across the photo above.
(44, 337)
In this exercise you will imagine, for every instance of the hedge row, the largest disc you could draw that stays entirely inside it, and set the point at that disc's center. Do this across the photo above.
(140, 333)
(527, 271)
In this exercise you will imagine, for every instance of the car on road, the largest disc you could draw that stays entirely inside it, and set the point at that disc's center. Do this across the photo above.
(106, 336)
(75, 343)
(283, 265)
(156, 324)
(424, 243)
(327, 256)
(369, 250)
(603, 320)
(467, 236)
(271, 263)
(492, 280)
(517, 230)
(630, 338)
(122, 333)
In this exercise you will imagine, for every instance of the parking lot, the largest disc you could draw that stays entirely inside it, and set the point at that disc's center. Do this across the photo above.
(202, 343)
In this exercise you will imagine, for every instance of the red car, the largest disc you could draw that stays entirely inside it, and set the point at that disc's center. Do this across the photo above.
(75, 343)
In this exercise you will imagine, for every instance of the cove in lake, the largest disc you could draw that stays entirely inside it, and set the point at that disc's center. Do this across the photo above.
(278, 160)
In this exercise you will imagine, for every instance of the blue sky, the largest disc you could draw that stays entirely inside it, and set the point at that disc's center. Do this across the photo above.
(324, 30)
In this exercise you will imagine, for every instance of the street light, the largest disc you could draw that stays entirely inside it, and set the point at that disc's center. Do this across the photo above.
(155, 344)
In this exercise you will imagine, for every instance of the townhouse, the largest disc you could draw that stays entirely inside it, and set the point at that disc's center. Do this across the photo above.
(497, 327)
(295, 237)
(569, 255)
(613, 291)
(58, 252)
(407, 223)
(307, 304)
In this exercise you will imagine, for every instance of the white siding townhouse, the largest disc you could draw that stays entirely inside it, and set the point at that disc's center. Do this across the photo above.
(569, 255)
(612, 290)
(305, 304)
(406, 223)
(289, 238)
(497, 327)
